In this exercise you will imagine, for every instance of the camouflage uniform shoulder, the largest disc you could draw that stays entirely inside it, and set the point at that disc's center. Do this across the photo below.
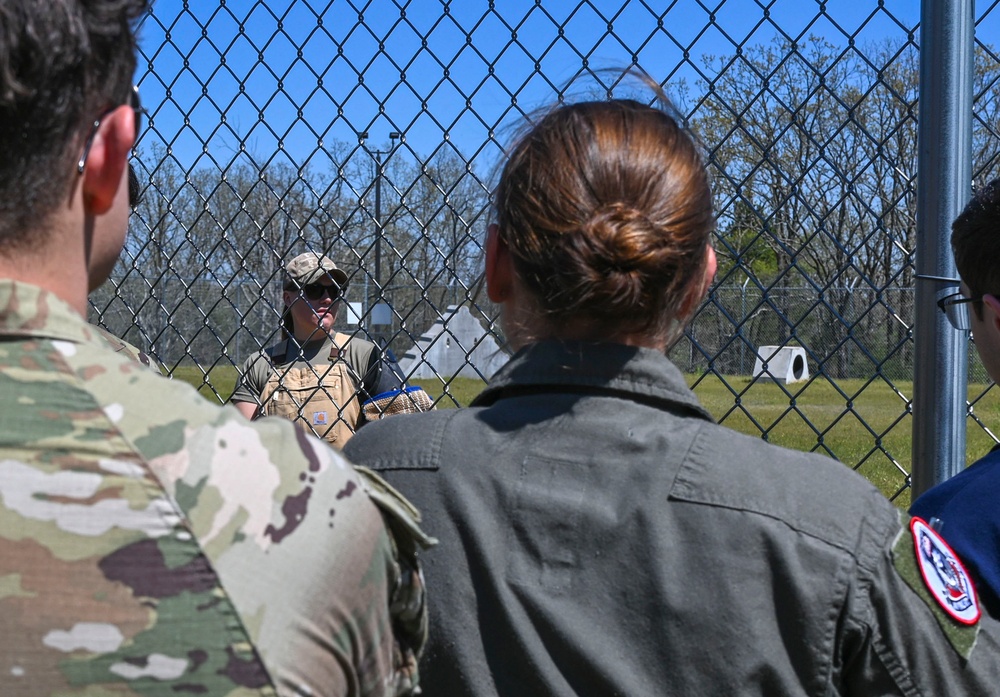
(133, 506)
(120, 346)
(98, 566)
(305, 496)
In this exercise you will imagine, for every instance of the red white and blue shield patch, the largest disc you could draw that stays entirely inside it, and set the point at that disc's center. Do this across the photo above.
(943, 574)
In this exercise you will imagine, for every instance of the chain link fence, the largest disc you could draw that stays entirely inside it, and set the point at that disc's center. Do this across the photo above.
(371, 131)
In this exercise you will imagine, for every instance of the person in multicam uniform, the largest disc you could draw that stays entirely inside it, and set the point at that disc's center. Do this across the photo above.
(152, 543)
(600, 533)
(324, 380)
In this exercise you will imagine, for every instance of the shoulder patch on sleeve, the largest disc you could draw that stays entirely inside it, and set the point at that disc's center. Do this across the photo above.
(930, 567)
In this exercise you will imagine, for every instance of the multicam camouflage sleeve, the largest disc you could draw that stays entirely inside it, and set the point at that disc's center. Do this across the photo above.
(408, 601)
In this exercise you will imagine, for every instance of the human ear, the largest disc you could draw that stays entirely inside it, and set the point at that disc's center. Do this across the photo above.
(991, 302)
(499, 266)
(107, 159)
(699, 289)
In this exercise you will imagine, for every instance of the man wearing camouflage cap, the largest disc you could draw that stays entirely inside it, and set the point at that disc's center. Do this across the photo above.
(310, 267)
(150, 542)
(316, 376)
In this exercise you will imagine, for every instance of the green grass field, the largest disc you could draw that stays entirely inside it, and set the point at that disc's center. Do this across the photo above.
(864, 424)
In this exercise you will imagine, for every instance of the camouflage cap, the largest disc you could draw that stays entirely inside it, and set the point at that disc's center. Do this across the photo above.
(310, 267)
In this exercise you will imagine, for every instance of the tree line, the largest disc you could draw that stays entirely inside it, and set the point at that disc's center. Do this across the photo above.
(812, 148)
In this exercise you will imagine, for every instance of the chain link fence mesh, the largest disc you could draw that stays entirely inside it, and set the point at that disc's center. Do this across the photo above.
(371, 131)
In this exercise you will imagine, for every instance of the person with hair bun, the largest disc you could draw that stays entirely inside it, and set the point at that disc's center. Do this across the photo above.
(599, 533)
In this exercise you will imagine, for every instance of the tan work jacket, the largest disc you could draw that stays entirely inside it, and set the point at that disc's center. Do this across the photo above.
(324, 397)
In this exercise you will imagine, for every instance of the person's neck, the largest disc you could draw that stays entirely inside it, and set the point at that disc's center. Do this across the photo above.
(68, 253)
(313, 337)
(523, 328)
(50, 270)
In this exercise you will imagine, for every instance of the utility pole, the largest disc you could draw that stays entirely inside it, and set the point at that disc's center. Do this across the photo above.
(379, 313)
(393, 135)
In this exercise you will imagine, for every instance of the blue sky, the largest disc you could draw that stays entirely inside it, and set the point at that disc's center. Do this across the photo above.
(290, 80)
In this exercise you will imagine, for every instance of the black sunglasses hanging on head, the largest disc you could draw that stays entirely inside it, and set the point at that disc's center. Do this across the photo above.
(133, 101)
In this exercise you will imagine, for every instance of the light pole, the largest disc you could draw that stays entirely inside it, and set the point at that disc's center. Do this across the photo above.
(393, 135)
(379, 313)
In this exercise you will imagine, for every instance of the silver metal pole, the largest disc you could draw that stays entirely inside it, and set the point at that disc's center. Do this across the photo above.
(379, 232)
(944, 183)
(379, 227)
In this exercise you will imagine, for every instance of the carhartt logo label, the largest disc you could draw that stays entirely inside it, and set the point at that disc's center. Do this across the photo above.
(944, 574)
(319, 418)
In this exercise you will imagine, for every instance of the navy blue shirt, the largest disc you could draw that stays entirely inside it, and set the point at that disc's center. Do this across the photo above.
(968, 506)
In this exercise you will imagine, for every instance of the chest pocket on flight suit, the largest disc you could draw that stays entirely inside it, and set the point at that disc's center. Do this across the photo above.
(322, 397)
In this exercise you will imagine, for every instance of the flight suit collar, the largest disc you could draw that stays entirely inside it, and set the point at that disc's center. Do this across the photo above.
(632, 372)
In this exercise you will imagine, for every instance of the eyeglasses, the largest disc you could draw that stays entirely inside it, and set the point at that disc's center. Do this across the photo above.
(133, 98)
(315, 291)
(956, 308)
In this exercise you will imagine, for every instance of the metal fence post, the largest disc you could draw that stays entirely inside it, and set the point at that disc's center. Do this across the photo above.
(944, 163)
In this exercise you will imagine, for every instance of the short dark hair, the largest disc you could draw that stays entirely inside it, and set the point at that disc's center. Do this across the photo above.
(62, 63)
(975, 241)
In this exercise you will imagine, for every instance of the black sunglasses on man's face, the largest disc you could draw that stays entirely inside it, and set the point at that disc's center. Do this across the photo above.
(315, 291)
